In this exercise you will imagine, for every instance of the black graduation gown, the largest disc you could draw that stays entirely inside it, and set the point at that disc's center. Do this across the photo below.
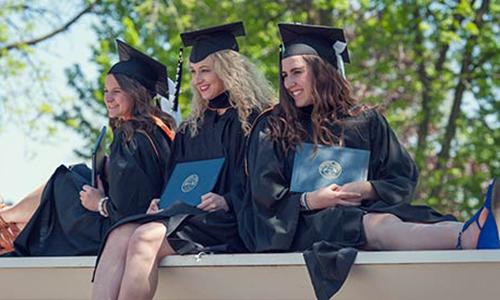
(61, 226)
(189, 229)
(272, 219)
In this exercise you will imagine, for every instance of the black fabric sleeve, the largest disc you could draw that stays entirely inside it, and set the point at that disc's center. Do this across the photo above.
(236, 141)
(136, 175)
(394, 174)
(276, 209)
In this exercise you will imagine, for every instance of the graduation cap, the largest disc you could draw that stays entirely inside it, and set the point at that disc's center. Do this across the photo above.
(326, 42)
(210, 40)
(149, 72)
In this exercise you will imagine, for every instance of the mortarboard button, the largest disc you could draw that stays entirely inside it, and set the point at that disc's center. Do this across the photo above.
(210, 40)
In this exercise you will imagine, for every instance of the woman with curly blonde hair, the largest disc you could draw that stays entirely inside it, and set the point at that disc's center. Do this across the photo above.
(244, 95)
(228, 94)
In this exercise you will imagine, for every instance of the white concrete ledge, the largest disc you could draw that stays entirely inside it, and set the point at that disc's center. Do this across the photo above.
(275, 259)
(375, 275)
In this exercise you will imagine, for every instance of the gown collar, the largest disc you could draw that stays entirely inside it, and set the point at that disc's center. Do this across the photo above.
(304, 113)
(220, 102)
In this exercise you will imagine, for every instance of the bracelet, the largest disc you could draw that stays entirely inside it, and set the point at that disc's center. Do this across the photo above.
(306, 204)
(102, 211)
(303, 201)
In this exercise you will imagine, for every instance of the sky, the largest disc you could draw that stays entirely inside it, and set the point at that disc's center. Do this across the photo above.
(25, 163)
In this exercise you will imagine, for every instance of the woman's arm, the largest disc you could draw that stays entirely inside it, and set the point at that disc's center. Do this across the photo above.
(275, 208)
(393, 172)
(90, 197)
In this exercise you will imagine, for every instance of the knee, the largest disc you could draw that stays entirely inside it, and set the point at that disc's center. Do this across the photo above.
(376, 230)
(377, 220)
(120, 236)
(147, 239)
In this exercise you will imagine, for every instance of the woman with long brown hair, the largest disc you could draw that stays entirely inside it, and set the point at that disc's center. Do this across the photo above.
(327, 173)
(67, 216)
(228, 93)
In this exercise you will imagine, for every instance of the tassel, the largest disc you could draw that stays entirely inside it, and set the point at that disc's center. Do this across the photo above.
(280, 79)
(339, 47)
(178, 81)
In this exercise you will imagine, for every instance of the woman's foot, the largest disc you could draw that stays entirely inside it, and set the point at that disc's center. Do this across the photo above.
(8, 230)
(2, 203)
(481, 231)
(8, 234)
(470, 236)
(495, 203)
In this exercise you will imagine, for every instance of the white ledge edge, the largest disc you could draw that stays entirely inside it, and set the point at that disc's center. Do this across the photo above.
(268, 259)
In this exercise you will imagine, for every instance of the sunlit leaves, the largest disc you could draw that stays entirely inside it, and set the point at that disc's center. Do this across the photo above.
(395, 49)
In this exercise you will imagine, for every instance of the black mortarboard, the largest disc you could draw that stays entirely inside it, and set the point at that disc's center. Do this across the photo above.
(326, 42)
(210, 40)
(149, 72)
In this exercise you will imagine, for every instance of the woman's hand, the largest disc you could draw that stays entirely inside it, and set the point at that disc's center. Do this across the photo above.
(154, 207)
(90, 197)
(213, 202)
(365, 188)
(332, 195)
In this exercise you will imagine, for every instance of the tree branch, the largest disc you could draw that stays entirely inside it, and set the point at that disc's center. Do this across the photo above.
(63, 28)
(423, 127)
(483, 59)
(460, 88)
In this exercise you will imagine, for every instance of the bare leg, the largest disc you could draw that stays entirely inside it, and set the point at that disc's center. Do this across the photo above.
(388, 232)
(22, 211)
(146, 248)
(109, 272)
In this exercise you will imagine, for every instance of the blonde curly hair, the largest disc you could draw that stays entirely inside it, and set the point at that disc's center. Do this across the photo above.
(248, 89)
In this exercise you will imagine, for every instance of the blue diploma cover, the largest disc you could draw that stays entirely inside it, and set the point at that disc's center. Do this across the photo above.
(328, 165)
(190, 180)
(98, 157)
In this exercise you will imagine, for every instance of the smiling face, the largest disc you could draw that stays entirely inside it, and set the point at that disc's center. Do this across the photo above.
(205, 80)
(118, 103)
(297, 80)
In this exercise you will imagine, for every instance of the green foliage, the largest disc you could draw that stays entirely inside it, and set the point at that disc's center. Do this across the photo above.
(28, 98)
(409, 57)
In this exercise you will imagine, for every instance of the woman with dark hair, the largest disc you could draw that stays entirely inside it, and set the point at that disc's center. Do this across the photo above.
(67, 216)
(228, 93)
(328, 173)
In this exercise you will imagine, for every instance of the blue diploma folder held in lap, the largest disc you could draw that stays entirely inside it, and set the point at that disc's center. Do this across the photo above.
(328, 165)
(190, 180)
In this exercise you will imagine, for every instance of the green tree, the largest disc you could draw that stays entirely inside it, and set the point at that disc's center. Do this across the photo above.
(25, 92)
(432, 66)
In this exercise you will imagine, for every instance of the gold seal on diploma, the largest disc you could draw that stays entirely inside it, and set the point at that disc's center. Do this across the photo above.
(330, 169)
(190, 183)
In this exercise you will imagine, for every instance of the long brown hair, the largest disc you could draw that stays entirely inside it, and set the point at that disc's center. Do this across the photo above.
(332, 102)
(144, 109)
